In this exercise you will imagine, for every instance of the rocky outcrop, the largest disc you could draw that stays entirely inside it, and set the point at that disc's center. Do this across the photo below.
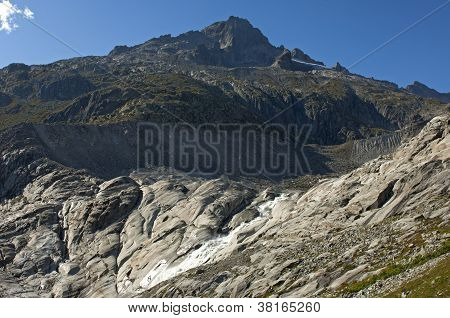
(284, 61)
(371, 148)
(76, 221)
(302, 56)
(5, 99)
(66, 233)
(67, 87)
(422, 90)
(318, 242)
(105, 151)
(231, 43)
(337, 114)
(17, 67)
(119, 49)
(341, 69)
(111, 150)
(240, 44)
(21, 90)
(98, 103)
(227, 72)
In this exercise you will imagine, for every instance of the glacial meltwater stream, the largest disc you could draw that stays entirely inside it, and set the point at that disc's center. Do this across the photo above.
(163, 270)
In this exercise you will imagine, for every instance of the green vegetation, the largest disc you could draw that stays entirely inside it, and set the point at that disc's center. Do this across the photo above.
(33, 111)
(230, 95)
(396, 268)
(433, 283)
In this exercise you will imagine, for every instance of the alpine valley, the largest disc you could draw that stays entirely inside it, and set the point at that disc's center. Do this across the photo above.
(370, 218)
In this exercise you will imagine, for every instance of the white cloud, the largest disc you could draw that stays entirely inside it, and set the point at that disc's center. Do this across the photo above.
(28, 13)
(8, 13)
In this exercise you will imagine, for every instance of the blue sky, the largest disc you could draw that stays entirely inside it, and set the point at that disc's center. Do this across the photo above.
(329, 31)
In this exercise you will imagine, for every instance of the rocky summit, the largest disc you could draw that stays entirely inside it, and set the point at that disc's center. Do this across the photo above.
(78, 219)
(420, 89)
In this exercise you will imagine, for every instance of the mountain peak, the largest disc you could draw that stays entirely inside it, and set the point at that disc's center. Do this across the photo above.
(234, 42)
(238, 20)
(339, 68)
(236, 32)
(422, 90)
(232, 22)
(302, 56)
(418, 84)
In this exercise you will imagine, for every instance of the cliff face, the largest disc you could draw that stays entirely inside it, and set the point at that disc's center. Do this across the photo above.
(238, 43)
(66, 233)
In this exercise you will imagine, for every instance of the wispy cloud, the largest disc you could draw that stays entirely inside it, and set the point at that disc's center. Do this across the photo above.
(28, 13)
(8, 14)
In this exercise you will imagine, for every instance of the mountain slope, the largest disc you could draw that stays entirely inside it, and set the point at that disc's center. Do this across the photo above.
(78, 221)
(422, 90)
(338, 236)
(70, 234)
(222, 73)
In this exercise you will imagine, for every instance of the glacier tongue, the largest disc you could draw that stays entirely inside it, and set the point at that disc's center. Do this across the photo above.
(163, 271)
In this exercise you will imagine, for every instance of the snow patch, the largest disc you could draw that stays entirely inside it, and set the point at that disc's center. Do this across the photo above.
(312, 64)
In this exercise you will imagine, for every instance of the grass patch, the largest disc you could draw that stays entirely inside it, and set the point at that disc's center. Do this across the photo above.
(434, 283)
(395, 269)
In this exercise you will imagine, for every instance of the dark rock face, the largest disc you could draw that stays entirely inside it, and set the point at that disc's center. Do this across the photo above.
(341, 69)
(97, 103)
(105, 151)
(21, 90)
(422, 90)
(231, 43)
(300, 55)
(65, 88)
(238, 43)
(17, 67)
(5, 99)
(15, 169)
(237, 33)
(285, 62)
(119, 49)
(32, 150)
(341, 117)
